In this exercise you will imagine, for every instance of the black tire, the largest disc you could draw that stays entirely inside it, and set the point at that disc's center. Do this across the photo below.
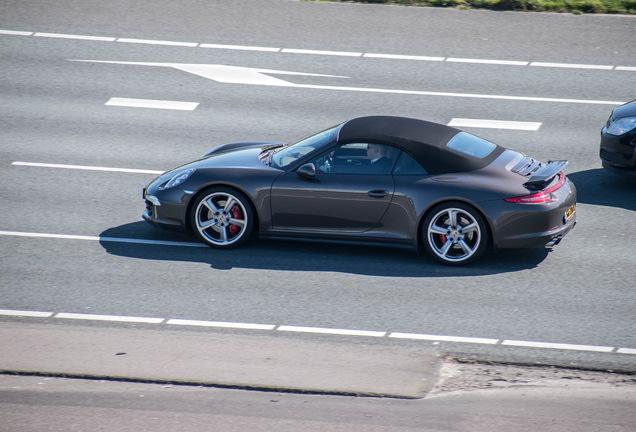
(222, 217)
(455, 234)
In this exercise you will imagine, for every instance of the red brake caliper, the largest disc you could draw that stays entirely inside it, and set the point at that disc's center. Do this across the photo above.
(236, 214)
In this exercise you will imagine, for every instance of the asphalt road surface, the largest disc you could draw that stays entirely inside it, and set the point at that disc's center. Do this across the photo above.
(73, 162)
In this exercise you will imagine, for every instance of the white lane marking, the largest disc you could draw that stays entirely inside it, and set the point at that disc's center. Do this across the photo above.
(16, 33)
(25, 313)
(239, 47)
(252, 76)
(318, 52)
(101, 239)
(225, 74)
(331, 331)
(221, 324)
(84, 167)
(291, 50)
(67, 36)
(481, 61)
(158, 42)
(557, 346)
(403, 57)
(494, 124)
(155, 104)
(110, 318)
(571, 65)
(444, 338)
(436, 338)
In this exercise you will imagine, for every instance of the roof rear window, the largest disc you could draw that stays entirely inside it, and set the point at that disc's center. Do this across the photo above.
(471, 145)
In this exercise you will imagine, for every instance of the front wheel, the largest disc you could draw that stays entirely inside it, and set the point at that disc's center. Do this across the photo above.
(455, 234)
(222, 218)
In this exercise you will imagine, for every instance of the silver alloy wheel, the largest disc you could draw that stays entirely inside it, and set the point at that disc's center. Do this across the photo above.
(453, 234)
(221, 219)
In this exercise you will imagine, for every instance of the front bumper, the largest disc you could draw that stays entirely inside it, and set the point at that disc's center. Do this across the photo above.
(167, 208)
(618, 153)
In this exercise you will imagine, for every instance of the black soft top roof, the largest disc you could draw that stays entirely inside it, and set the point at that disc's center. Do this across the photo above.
(424, 141)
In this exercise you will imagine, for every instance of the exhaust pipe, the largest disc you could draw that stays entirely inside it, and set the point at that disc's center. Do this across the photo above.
(554, 241)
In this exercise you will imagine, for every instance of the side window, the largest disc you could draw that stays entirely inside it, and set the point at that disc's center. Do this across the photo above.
(406, 165)
(357, 158)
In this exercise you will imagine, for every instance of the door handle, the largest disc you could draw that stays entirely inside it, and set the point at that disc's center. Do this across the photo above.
(378, 193)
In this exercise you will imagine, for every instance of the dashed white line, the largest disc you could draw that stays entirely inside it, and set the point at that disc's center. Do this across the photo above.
(221, 324)
(100, 239)
(331, 331)
(557, 346)
(495, 62)
(79, 37)
(158, 42)
(495, 124)
(416, 336)
(346, 332)
(36, 314)
(85, 167)
(320, 52)
(149, 103)
(571, 65)
(117, 318)
(239, 47)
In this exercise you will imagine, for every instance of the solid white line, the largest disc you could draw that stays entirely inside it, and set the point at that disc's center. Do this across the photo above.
(444, 338)
(557, 346)
(460, 95)
(221, 324)
(494, 124)
(402, 57)
(318, 52)
(15, 33)
(625, 68)
(148, 103)
(480, 61)
(110, 318)
(79, 37)
(571, 65)
(25, 313)
(158, 42)
(331, 331)
(102, 239)
(89, 168)
(626, 351)
(239, 47)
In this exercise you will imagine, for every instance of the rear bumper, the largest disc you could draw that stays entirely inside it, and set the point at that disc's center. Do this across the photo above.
(519, 225)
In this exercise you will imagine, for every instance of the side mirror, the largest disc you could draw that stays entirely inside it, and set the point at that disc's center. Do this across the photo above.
(307, 171)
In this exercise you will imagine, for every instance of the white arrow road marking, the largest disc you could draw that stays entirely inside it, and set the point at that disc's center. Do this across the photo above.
(226, 74)
(254, 76)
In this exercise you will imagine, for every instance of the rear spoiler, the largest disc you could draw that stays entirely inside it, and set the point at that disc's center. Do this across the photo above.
(545, 172)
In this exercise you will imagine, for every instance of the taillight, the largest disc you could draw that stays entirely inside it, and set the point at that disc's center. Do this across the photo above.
(539, 197)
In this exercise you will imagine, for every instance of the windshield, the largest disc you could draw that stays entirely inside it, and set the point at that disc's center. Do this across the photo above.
(288, 155)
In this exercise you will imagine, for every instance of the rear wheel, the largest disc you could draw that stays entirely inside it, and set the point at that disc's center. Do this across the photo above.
(455, 234)
(222, 218)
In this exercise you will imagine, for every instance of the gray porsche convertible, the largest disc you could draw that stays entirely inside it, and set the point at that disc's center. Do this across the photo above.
(375, 180)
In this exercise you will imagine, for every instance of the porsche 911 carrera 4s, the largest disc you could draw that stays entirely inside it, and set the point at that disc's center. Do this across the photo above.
(380, 180)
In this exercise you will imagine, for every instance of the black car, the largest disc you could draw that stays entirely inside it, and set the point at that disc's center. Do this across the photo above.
(618, 140)
(380, 180)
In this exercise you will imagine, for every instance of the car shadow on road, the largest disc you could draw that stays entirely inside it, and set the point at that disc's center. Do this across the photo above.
(311, 256)
(601, 187)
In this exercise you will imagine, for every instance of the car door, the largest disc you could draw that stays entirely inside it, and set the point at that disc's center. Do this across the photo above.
(343, 197)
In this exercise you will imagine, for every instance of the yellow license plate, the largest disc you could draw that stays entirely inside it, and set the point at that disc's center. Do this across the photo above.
(569, 212)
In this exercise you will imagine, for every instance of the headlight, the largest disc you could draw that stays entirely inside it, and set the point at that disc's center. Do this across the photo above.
(621, 126)
(178, 179)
